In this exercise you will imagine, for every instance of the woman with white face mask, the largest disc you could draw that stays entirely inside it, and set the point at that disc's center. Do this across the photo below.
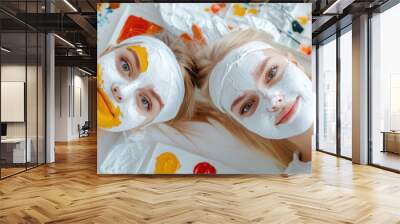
(140, 83)
(248, 79)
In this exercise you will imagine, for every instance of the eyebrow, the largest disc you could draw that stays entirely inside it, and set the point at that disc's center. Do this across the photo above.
(237, 101)
(114, 47)
(155, 95)
(260, 67)
(137, 62)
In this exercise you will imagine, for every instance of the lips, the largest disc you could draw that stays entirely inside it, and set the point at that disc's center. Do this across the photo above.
(107, 114)
(287, 112)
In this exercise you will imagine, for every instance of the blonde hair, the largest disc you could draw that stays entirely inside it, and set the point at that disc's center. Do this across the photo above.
(206, 59)
(186, 64)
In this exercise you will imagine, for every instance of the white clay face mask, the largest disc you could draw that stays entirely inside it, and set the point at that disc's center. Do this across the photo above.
(159, 70)
(284, 109)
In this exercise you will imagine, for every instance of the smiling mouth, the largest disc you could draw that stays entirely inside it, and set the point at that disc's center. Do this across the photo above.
(287, 112)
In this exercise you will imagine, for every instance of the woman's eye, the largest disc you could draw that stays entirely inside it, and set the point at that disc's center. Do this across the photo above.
(271, 73)
(146, 103)
(246, 107)
(125, 66)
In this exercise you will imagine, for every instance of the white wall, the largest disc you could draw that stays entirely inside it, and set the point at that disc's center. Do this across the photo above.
(16, 73)
(81, 84)
(12, 73)
(61, 103)
(70, 84)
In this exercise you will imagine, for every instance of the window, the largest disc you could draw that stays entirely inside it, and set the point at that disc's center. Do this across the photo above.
(385, 89)
(394, 101)
(314, 83)
(346, 94)
(327, 97)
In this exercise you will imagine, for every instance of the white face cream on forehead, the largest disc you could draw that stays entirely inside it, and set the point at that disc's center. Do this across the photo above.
(158, 70)
(230, 69)
(284, 109)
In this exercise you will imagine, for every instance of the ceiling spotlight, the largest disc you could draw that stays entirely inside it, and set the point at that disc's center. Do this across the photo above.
(79, 51)
(84, 71)
(5, 50)
(70, 5)
(65, 41)
(337, 7)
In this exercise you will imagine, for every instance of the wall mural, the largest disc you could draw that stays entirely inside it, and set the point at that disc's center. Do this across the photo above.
(204, 88)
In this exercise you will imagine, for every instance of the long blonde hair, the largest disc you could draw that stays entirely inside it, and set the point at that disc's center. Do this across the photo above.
(206, 58)
(187, 108)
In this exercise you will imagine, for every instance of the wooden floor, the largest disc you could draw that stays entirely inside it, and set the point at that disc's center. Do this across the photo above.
(70, 191)
(10, 171)
(388, 159)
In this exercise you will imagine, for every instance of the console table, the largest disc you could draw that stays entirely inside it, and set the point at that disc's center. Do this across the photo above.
(391, 141)
(13, 150)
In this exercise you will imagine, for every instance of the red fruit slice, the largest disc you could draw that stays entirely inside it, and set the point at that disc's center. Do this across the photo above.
(204, 168)
(137, 26)
(215, 8)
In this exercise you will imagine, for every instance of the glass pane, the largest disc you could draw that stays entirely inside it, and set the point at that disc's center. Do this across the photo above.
(22, 88)
(41, 99)
(346, 94)
(327, 97)
(314, 83)
(386, 89)
(13, 87)
(31, 100)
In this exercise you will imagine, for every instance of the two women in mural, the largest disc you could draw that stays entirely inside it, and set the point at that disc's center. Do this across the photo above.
(235, 96)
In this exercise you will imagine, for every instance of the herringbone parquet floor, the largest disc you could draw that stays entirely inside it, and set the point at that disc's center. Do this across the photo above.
(70, 191)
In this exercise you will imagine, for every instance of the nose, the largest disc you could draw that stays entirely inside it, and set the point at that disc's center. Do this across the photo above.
(116, 92)
(277, 103)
